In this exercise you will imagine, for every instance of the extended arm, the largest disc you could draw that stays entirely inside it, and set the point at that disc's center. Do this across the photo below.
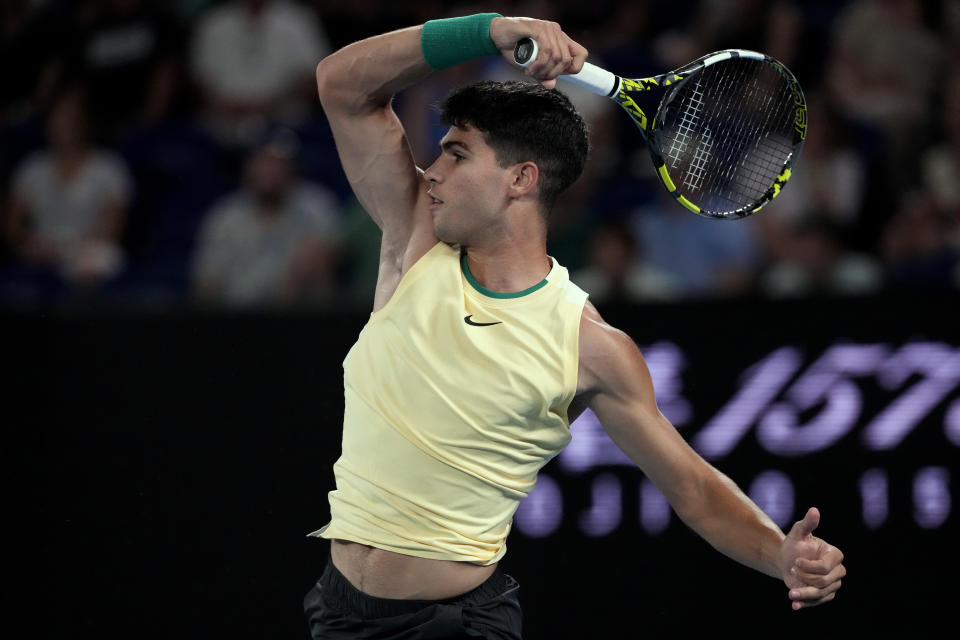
(617, 386)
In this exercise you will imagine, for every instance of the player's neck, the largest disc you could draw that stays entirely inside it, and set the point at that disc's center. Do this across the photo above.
(511, 256)
(510, 266)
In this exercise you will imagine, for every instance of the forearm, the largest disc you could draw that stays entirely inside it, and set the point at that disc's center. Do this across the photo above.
(614, 378)
(733, 524)
(365, 75)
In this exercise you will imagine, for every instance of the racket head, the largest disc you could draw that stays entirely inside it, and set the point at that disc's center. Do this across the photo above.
(729, 129)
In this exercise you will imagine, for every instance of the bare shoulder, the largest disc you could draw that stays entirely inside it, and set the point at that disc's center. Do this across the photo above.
(607, 354)
(599, 340)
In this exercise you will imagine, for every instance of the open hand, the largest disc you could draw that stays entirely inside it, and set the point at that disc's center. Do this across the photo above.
(812, 568)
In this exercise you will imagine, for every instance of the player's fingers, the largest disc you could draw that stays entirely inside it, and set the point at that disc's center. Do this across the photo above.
(537, 68)
(811, 520)
(539, 71)
(827, 562)
(551, 56)
(812, 596)
(797, 605)
(560, 67)
(546, 71)
(821, 580)
(556, 54)
(563, 57)
(579, 54)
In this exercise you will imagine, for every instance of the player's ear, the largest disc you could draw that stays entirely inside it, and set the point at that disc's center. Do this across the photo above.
(524, 179)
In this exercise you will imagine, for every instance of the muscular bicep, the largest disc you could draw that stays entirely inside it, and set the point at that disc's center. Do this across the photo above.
(377, 161)
(622, 397)
(650, 441)
(356, 86)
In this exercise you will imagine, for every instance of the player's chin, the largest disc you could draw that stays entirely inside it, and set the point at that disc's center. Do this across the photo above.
(445, 232)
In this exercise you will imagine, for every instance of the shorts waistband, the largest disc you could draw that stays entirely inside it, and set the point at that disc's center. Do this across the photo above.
(339, 593)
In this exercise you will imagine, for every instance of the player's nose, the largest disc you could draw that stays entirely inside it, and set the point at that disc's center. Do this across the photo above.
(431, 175)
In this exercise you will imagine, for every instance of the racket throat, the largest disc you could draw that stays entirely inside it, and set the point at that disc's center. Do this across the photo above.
(618, 82)
(642, 97)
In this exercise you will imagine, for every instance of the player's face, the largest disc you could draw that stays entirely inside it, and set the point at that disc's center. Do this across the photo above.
(468, 188)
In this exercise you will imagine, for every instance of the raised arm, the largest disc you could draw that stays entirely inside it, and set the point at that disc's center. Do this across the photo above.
(356, 86)
(615, 383)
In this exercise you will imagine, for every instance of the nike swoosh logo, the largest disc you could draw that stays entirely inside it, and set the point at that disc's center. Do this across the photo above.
(478, 324)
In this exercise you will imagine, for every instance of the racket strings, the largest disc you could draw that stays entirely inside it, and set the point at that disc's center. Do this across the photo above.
(687, 130)
(689, 122)
(701, 158)
(759, 163)
(728, 133)
(769, 154)
(753, 158)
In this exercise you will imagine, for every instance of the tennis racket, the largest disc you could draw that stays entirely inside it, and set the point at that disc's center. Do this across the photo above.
(728, 129)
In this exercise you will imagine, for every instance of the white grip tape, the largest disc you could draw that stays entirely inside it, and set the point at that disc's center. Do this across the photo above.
(593, 79)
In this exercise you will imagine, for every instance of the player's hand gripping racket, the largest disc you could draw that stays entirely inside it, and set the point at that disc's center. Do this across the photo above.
(729, 127)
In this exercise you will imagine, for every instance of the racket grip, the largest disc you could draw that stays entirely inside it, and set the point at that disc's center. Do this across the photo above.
(591, 77)
(525, 52)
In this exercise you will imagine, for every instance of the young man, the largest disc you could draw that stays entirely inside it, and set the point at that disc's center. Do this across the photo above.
(480, 351)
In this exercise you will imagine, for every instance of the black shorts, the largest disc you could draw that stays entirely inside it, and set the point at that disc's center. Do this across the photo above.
(336, 609)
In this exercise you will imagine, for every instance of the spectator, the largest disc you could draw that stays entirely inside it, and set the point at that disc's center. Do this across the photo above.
(828, 180)
(811, 229)
(760, 25)
(615, 274)
(916, 247)
(883, 72)
(813, 261)
(275, 242)
(27, 59)
(347, 22)
(127, 53)
(68, 202)
(253, 62)
(941, 162)
(706, 258)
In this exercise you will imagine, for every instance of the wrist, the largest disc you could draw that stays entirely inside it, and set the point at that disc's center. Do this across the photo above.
(448, 42)
(774, 557)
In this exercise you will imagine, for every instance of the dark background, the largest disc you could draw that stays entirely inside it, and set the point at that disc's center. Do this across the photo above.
(165, 458)
(166, 468)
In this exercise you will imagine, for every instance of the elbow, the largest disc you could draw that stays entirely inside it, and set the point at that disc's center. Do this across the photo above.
(694, 498)
(333, 85)
(337, 88)
(326, 78)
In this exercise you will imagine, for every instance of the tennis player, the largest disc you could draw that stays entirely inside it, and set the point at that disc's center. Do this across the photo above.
(480, 351)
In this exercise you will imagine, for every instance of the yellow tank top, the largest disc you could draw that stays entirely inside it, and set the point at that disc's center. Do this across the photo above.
(455, 397)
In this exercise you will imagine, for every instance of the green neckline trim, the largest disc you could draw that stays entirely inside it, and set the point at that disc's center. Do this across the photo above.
(489, 292)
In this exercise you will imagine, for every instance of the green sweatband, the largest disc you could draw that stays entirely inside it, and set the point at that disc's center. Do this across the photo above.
(449, 42)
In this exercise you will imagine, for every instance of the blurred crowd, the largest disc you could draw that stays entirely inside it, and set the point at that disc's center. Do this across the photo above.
(164, 154)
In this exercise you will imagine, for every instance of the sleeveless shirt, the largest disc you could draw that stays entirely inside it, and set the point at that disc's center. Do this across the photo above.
(455, 396)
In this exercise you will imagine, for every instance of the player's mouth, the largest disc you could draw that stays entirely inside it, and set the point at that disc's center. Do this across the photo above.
(434, 201)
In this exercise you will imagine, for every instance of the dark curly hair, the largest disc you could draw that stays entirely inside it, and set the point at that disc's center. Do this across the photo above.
(525, 122)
